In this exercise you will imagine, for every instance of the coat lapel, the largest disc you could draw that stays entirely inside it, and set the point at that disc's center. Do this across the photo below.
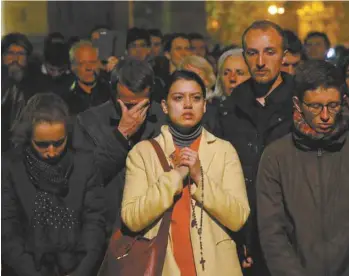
(206, 154)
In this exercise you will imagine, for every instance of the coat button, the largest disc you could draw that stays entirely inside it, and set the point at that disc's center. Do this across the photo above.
(280, 119)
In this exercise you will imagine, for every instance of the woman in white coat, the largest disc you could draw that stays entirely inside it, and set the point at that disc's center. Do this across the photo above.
(206, 187)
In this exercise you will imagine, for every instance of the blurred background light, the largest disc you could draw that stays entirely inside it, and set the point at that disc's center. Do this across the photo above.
(281, 10)
(273, 9)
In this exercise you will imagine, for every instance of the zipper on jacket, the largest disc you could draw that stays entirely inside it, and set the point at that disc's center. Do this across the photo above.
(319, 152)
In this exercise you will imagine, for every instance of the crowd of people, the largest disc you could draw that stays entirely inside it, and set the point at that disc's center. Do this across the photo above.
(256, 138)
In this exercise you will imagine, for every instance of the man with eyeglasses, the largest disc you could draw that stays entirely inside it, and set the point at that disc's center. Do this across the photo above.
(88, 89)
(18, 83)
(302, 183)
(110, 130)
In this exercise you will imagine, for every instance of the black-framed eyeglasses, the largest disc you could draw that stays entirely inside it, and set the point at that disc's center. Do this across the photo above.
(317, 108)
(46, 144)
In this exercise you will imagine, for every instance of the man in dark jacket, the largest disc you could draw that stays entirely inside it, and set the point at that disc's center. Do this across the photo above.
(258, 112)
(302, 183)
(54, 70)
(89, 89)
(18, 82)
(111, 129)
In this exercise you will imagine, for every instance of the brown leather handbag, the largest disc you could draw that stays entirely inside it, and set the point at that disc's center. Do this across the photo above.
(131, 254)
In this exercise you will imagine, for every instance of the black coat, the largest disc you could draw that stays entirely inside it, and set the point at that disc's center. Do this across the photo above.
(18, 196)
(161, 67)
(78, 100)
(303, 208)
(240, 123)
(59, 86)
(96, 131)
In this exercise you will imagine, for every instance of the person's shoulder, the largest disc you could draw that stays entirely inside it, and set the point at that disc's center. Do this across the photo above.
(141, 151)
(280, 146)
(219, 143)
(96, 113)
(239, 93)
(287, 78)
(11, 158)
(83, 161)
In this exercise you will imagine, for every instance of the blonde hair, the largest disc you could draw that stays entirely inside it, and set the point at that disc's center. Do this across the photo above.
(78, 45)
(201, 64)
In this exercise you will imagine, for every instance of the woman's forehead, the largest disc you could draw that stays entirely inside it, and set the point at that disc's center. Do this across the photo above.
(185, 86)
(49, 130)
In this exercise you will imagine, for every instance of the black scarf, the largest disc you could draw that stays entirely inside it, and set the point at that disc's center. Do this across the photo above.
(54, 226)
(51, 178)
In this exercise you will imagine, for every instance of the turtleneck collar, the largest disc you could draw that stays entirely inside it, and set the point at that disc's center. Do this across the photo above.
(184, 137)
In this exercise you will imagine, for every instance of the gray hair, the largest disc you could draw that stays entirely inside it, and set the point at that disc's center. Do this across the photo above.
(219, 91)
(78, 45)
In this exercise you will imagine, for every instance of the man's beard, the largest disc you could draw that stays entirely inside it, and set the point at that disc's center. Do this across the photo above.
(15, 72)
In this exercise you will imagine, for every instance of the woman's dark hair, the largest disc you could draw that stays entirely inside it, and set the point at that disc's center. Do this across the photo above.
(313, 74)
(185, 75)
(43, 107)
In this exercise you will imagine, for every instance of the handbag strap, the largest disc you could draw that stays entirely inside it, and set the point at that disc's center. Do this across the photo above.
(162, 236)
(161, 155)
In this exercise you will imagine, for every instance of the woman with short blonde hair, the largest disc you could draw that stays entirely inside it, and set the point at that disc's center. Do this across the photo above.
(203, 68)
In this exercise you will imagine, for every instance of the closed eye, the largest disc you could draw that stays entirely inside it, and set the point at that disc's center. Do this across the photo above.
(270, 51)
(251, 53)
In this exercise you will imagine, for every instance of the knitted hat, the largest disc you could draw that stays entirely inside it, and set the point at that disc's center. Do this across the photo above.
(18, 39)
